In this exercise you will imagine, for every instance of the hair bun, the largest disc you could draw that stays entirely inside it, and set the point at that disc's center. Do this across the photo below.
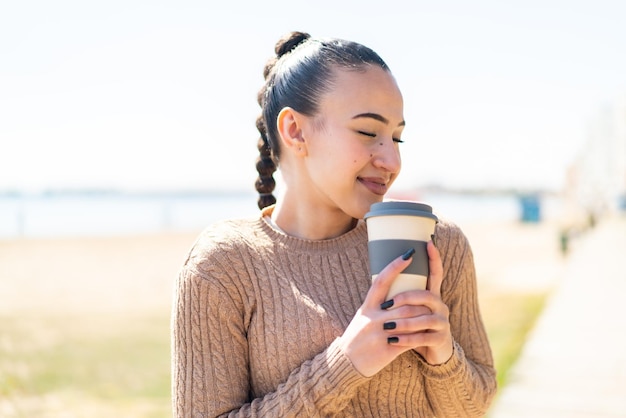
(288, 42)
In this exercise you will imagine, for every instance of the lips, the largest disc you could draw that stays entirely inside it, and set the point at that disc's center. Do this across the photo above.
(375, 185)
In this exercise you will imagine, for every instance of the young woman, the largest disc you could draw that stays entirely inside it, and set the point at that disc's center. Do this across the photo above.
(277, 316)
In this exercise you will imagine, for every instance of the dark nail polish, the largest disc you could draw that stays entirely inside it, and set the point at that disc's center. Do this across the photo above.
(392, 340)
(389, 325)
(387, 304)
(432, 237)
(408, 254)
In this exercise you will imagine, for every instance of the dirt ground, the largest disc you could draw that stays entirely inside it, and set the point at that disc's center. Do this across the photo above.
(104, 274)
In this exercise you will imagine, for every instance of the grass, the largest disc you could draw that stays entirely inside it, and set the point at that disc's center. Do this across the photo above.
(508, 319)
(101, 366)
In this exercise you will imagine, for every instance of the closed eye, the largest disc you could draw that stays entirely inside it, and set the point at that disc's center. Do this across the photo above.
(373, 135)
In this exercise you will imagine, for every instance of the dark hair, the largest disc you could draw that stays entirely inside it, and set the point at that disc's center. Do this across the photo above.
(296, 77)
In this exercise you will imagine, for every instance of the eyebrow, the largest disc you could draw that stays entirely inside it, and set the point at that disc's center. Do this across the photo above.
(377, 117)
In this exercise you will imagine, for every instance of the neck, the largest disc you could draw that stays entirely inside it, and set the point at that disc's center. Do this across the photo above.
(311, 223)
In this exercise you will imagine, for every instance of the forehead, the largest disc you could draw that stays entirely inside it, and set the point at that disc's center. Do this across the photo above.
(372, 90)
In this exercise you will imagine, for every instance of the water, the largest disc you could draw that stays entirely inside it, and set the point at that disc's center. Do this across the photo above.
(117, 214)
(473, 207)
(63, 215)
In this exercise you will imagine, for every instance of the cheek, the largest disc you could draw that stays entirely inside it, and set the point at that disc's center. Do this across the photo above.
(360, 159)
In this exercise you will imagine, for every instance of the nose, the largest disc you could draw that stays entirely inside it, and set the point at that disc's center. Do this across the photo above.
(387, 156)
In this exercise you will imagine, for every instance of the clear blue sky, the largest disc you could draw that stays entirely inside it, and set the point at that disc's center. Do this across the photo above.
(162, 95)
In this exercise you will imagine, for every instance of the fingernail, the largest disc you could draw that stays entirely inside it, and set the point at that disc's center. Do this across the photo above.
(387, 304)
(408, 254)
(392, 340)
(432, 237)
(389, 325)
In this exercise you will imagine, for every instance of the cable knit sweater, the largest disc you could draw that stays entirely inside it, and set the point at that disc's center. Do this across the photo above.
(256, 320)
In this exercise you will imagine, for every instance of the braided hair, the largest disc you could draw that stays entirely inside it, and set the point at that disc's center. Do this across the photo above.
(297, 77)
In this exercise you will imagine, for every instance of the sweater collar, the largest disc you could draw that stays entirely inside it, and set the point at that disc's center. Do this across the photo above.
(355, 236)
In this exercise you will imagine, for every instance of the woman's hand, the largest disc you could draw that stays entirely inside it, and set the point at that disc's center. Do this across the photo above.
(429, 334)
(416, 320)
(365, 339)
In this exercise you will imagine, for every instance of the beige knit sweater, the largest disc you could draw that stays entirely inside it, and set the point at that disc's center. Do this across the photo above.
(257, 315)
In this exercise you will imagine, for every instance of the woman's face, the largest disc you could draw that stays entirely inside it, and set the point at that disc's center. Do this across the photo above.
(353, 152)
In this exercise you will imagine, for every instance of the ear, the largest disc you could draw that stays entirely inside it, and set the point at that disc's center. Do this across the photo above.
(290, 126)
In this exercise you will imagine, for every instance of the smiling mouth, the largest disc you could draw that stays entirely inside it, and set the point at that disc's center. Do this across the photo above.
(375, 185)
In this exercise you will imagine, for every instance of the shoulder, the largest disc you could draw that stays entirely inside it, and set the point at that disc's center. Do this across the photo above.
(224, 245)
(454, 248)
(212, 283)
(226, 234)
(449, 236)
(457, 259)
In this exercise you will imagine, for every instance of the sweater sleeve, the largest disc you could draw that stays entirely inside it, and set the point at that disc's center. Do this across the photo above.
(210, 365)
(465, 385)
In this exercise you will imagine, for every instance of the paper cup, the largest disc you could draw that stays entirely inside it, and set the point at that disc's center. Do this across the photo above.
(393, 227)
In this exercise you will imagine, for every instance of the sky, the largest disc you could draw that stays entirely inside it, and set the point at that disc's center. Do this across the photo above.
(157, 95)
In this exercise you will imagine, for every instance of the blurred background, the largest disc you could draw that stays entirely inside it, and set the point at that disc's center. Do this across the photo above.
(128, 126)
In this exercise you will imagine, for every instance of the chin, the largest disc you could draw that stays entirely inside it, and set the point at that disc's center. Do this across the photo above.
(364, 207)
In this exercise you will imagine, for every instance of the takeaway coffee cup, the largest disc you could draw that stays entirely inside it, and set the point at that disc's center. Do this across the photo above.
(393, 227)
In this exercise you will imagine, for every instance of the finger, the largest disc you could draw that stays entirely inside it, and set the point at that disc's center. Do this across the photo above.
(430, 323)
(418, 339)
(402, 310)
(435, 277)
(417, 303)
(381, 285)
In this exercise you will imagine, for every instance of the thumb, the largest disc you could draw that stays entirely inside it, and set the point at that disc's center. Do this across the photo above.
(383, 281)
